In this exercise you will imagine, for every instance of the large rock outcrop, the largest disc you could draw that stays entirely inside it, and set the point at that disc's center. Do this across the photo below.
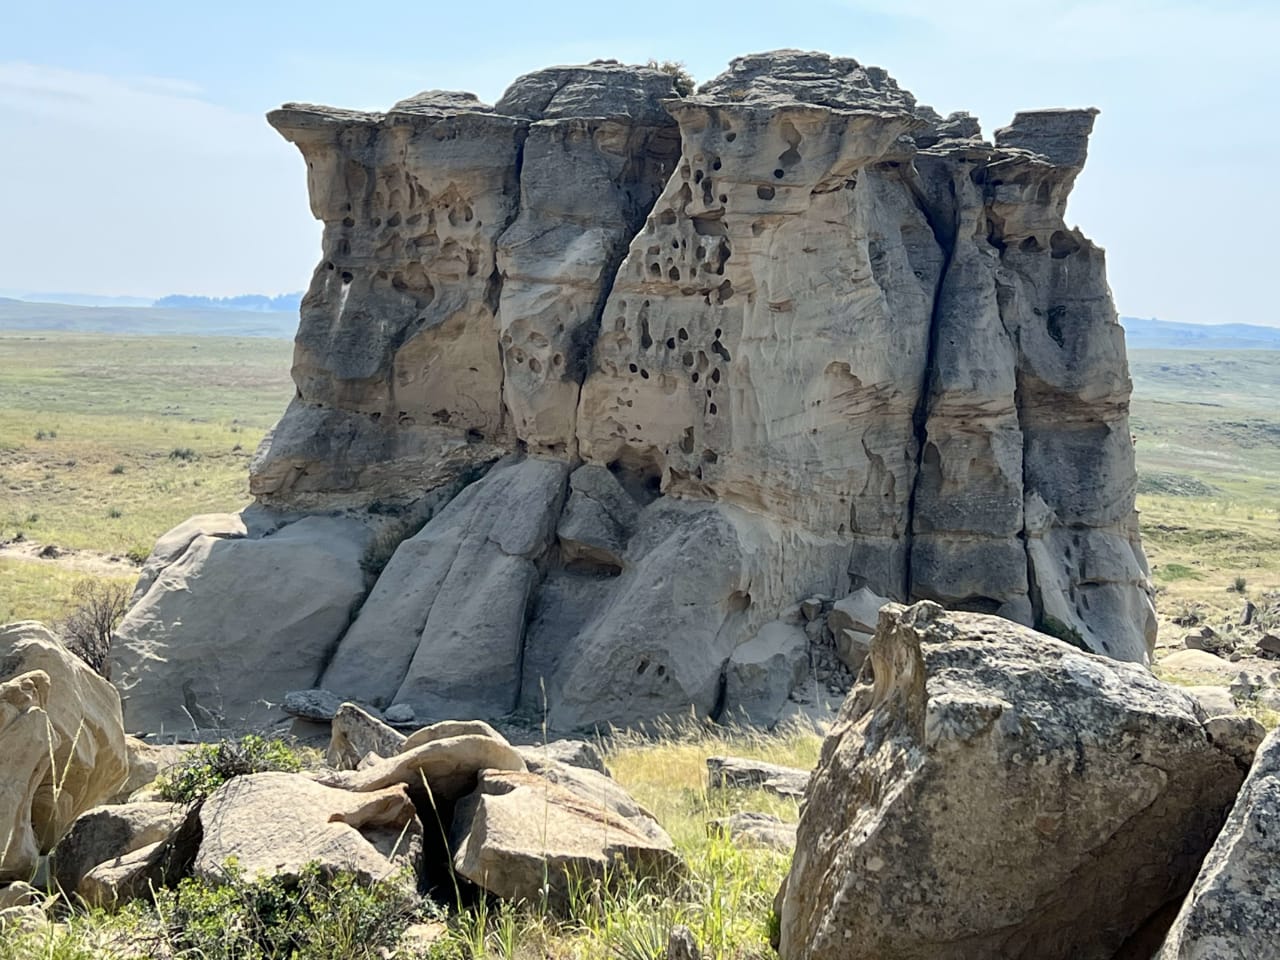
(998, 793)
(793, 335)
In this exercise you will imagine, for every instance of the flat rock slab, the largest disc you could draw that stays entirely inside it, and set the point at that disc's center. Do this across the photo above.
(275, 824)
(519, 835)
(756, 829)
(740, 772)
(448, 766)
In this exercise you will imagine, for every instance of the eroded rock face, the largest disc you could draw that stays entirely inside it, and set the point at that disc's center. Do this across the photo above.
(1036, 800)
(793, 335)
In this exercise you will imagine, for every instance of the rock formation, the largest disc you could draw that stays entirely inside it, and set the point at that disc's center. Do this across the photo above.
(653, 370)
(998, 793)
(62, 744)
(1231, 911)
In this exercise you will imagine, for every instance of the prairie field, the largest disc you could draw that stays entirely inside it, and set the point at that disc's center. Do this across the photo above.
(106, 441)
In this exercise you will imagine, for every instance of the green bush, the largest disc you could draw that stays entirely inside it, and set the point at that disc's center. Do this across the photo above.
(211, 765)
(684, 82)
(312, 917)
(1238, 585)
(182, 453)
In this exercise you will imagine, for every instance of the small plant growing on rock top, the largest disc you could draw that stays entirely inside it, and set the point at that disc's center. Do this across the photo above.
(211, 765)
(1238, 585)
(683, 78)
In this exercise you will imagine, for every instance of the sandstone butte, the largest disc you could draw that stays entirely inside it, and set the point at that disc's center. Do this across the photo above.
(652, 370)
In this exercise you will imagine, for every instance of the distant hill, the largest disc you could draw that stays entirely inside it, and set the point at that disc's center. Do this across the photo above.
(77, 299)
(1153, 334)
(256, 302)
(159, 321)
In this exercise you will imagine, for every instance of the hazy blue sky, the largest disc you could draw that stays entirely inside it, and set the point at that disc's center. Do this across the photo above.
(135, 160)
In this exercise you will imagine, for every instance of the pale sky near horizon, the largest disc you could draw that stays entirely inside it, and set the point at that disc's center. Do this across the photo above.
(136, 161)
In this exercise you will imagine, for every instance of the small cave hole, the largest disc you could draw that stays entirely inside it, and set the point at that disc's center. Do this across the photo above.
(687, 359)
(711, 408)
(328, 266)
(710, 456)
(715, 164)
(644, 374)
(346, 277)
(715, 375)
(730, 136)
(671, 343)
(674, 275)
(779, 174)
(1030, 245)
(694, 377)
(633, 368)
(682, 333)
(764, 192)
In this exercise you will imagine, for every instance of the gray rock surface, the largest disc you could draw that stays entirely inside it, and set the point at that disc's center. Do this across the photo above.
(233, 624)
(797, 334)
(762, 672)
(319, 706)
(275, 824)
(1036, 800)
(355, 733)
(573, 753)
(442, 629)
(1231, 910)
(520, 837)
(759, 829)
(723, 772)
(107, 833)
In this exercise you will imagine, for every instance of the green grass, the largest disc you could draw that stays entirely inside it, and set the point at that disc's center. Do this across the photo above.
(136, 434)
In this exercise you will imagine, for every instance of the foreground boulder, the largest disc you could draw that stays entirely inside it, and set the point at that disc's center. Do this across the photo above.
(275, 824)
(999, 793)
(62, 744)
(521, 837)
(1234, 908)
(108, 833)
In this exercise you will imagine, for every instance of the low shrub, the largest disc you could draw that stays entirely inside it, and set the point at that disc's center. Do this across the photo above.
(312, 917)
(183, 453)
(211, 765)
(86, 631)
